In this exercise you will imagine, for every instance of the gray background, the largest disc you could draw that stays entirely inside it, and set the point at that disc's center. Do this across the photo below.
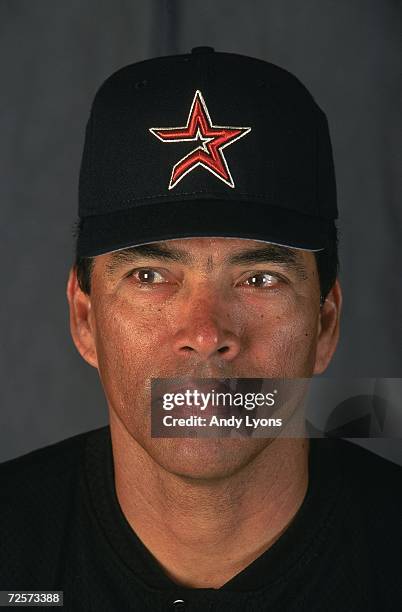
(55, 54)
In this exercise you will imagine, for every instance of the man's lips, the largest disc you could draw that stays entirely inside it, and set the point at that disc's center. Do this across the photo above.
(205, 386)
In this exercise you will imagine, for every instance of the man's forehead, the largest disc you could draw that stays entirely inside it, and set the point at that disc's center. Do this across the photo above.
(219, 246)
(215, 251)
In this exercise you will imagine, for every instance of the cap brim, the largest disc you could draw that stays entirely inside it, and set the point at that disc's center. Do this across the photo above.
(101, 234)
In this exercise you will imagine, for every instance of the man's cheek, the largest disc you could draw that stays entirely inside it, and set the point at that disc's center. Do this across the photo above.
(287, 348)
(119, 324)
(120, 340)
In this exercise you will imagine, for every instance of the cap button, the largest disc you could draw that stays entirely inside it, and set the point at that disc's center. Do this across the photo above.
(202, 50)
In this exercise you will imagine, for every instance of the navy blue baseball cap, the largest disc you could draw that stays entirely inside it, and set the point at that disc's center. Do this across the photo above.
(205, 144)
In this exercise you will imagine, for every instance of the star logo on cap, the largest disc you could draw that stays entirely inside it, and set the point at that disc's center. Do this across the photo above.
(212, 140)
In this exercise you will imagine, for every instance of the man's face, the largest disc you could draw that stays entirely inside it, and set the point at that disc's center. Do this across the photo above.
(206, 308)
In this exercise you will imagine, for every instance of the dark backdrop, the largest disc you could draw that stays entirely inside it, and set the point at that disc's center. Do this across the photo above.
(55, 54)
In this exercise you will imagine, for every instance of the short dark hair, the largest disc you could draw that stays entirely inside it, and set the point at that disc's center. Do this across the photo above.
(327, 265)
(327, 261)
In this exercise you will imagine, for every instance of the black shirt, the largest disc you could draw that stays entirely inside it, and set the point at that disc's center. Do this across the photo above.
(61, 528)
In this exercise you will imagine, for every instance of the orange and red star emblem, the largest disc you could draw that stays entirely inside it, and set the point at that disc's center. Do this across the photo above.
(213, 138)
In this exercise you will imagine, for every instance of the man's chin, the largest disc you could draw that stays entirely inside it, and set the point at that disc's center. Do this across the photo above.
(204, 458)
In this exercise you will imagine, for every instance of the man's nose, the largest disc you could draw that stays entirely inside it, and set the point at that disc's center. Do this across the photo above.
(205, 331)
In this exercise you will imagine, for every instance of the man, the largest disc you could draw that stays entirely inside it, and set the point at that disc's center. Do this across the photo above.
(206, 249)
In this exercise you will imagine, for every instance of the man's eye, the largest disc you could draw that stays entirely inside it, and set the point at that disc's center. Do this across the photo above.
(147, 276)
(261, 280)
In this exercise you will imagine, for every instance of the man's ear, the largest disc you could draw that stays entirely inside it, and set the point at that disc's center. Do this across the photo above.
(328, 328)
(81, 320)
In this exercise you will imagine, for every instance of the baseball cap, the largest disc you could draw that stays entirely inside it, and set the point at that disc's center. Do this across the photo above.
(205, 144)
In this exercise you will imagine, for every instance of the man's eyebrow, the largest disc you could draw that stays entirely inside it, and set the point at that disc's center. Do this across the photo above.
(151, 251)
(270, 253)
